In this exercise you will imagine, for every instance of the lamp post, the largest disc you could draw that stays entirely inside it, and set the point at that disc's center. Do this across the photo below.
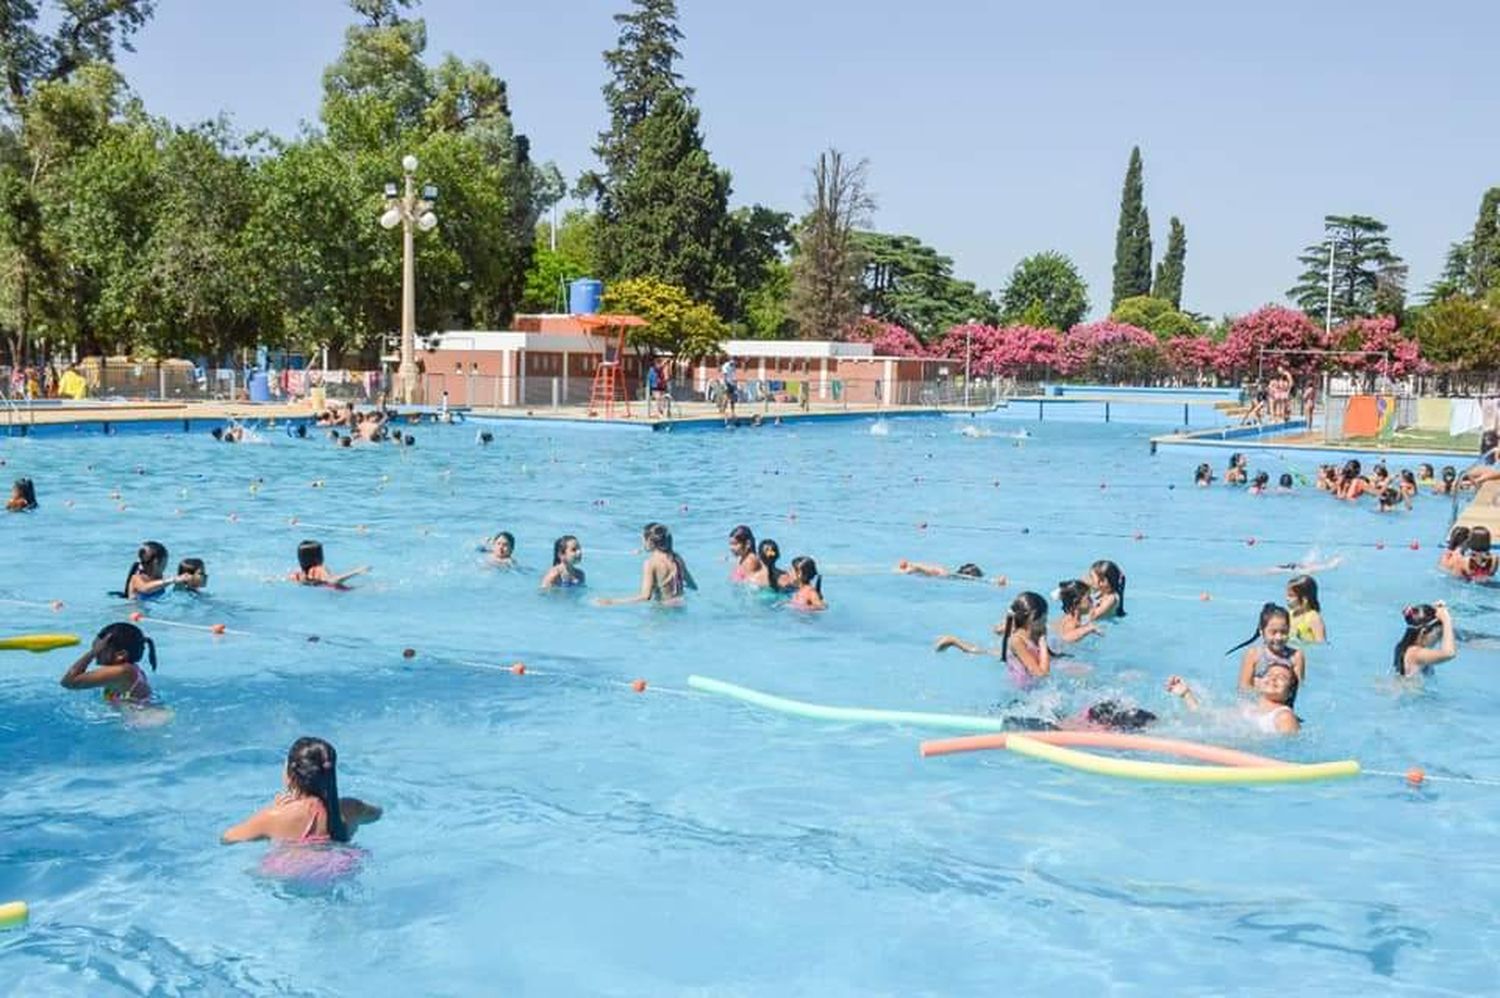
(1328, 308)
(404, 208)
(968, 351)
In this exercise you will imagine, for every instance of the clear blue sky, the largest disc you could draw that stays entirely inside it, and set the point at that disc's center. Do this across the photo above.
(993, 130)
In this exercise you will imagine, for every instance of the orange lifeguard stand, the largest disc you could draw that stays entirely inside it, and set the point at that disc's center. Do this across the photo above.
(608, 387)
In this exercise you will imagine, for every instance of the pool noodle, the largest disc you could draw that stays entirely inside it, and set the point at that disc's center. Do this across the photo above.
(1169, 772)
(864, 715)
(38, 642)
(1105, 739)
(13, 914)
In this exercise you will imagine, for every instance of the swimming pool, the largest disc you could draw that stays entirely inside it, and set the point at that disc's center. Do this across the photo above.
(558, 833)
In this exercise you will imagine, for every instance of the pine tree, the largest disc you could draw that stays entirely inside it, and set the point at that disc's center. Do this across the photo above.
(1368, 279)
(1169, 272)
(1132, 273)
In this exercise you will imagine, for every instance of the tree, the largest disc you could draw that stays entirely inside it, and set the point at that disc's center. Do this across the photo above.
(768, 314)
(676, 324)
(1456, 278)
(1132, 273)
(1367, 277)
(1484, 245)
(755, 282)
(1459, 333)
(827, 266)
(1045, 290)
(1157, 315)
(1169, 272)
(1271, 327)
(551, 270)
(642, 68)
(908, 283)
(1109, 351)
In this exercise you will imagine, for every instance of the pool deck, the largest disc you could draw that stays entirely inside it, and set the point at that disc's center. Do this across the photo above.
(1294, 436)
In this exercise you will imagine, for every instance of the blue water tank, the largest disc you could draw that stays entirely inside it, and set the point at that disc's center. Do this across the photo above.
(584, 295)
(260, 388)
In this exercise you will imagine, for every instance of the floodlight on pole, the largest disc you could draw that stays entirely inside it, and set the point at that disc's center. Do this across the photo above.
(410, 212)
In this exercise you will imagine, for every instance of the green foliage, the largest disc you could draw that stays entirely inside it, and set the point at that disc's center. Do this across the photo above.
(550, 272)
(1157, 315)
(1455, 280)
(768, 307)
(1132, 271)
(1484, 245)
(910, 284)
(677, 325)
(753, 273)
(1169, 273)
(1368, 279)
(1459, 332)
(1045, 290)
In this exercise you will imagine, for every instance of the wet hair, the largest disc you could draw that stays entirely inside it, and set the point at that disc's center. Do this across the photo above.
(657, 537)
(1024, 610)
(309, 555)
(151, 553)
(1110, 714)
(1488, 441)
(1285, 480)
(806, 571)
(743, 535)
(1352, 467)
(1261, 480)
(1110, 572)
(1305, 587)
(217, 433)
(311, 767)
(130, 640)
(301, 431)
(1293, 683)
(1380, 471)
(1235, 459)
(1449, 474)
(346, 441)
(559, 546)
(1458, 537)
(410, 440)
(190, 566)
(486, 437)
(1425, 469)
(1268, 613)
(509, 539)
(1419, 620)
(27, 491)
(1479, 540)
(1389, 497)
(770, 553)
(1071, 593)
(969, 570)
(1203, 474)
(1408, 477)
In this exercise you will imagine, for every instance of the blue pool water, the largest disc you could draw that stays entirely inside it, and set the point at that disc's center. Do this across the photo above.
(557, 833)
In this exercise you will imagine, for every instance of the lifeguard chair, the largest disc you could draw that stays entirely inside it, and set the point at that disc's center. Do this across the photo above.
(608, 388)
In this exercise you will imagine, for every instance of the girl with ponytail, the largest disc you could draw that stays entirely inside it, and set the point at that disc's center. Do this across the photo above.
(1023, 640)
(1108, 582)
(118, 650)
(310, 810)
(145, 580)
(1428, 640)
(564, 573)
(1272, 632)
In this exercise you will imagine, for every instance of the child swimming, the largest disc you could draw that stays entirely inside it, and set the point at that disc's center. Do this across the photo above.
(809, 592)
(1203, 477)
(1427, 640)
(770, 554)
(502, 549)
(564, 573)
(747, 563)
(145, 580)
(22, 497)
(192, 575)
(310, 810)
(1478, 563)
(966, 572)
(1108, 583)
(1023, 641)
(1271, 632)
(1077, 602)
(312, 572)
(1452, 557)
(118, 650)
(664, 575)
(1306, 611)
(1270, 713)
(1238, 470)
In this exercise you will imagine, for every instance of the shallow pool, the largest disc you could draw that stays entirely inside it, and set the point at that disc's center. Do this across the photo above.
(559, 833)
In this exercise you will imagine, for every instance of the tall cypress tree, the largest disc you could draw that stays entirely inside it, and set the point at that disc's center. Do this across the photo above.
(1132, 274)
(1484, 245)
(1168, 286)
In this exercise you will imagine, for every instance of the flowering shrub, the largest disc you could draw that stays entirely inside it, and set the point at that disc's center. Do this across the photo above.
(1190, 356)
(1005, 350)
(888, 339)
(1110, 351)
(1377, 334)
(1271, 327)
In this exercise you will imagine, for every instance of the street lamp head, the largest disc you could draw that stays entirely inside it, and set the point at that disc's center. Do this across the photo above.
(427, 222)
(390, 219)
(429, 192)
(390, 189)
(409, 163)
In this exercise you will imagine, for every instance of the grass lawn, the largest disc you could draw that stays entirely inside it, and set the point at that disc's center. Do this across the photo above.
(1415, 439)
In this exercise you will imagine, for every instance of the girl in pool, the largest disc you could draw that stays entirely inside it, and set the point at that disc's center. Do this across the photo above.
(1204, 476)
(502, 549)
(965, 572)
(770, 554)
(1407, 486)
(1425, 475)
(310, 809)
(1077, 601)
(1238, 471)
(118, 651)
(564, 573)
(312, 572)
(747, 564)
(1108, 583)
(1023, 640)
(1285, 484)
(664, 575)
(1453, 550)
(1269, 647)
(1480, 564)
(809, 594)
(1388, 501)
(1448, 482)
(1306, 612)
(1271, 712)
(22, 497)
(1428, 640)
(192, 575)
(145, 580)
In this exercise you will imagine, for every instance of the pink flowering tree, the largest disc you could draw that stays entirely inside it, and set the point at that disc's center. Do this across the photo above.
(1110, 351)
(1190, 358)
(1371, 336)
(1013, 351)
(1272, 327)
(888, 339)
